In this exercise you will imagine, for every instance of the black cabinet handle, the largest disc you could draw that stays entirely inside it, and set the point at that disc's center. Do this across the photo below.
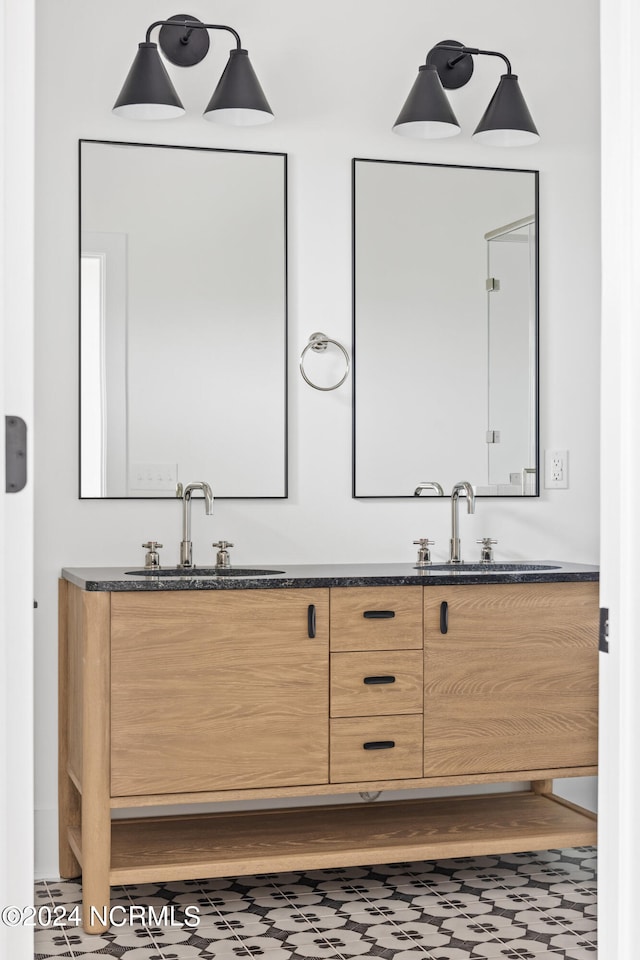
(372, 680)
(379, 745)
(444, 617)
(379, 614)
(311, 620)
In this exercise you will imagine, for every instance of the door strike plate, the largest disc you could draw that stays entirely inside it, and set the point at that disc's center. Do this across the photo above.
(603, 633)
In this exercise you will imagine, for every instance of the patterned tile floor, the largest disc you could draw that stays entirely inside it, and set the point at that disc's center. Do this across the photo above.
(523, 906)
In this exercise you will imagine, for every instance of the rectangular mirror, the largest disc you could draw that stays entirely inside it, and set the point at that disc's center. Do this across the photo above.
(183, 320)
(445, 328)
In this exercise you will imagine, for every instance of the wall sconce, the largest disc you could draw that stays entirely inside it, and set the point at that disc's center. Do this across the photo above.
(148, 93)
(427, 113)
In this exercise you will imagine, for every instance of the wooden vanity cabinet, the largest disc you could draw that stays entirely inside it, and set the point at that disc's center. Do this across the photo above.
(188, 696)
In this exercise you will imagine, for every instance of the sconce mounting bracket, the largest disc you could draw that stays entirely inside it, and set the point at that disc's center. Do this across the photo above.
(453, 69)
(183, 46)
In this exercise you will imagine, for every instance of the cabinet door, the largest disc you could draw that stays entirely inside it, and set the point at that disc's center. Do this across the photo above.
(218, 690)
(513, 683)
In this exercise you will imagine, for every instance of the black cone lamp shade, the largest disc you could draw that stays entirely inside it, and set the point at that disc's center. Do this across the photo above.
(148, 93)
(507, 121)
(427, 113)
(238, 99)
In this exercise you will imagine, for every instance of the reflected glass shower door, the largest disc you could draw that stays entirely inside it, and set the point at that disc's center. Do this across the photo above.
(511, 413)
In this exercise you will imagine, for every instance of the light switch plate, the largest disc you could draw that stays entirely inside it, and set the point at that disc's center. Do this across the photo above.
(153, 477)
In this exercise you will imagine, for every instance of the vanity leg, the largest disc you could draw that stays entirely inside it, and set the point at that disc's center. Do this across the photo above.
(96, 725)
(542, 786)
(68, 796)
(69, 816)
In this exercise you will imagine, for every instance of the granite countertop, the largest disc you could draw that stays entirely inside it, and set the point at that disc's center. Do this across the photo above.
(112, 579)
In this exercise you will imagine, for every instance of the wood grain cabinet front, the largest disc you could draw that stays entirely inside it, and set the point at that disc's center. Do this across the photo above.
(376, 748)
(218, 690)
(376, 684)
(382, 683)
(511, 678)
(376, 618)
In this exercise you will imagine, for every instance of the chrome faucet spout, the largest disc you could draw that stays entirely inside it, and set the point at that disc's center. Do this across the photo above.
(186, 546)
(428, 485)
(463, 488)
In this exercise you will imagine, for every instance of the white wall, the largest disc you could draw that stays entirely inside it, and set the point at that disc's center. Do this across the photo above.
(337, 75)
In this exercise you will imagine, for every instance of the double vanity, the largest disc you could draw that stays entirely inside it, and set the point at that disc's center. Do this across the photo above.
(184, 685)
(315, 681)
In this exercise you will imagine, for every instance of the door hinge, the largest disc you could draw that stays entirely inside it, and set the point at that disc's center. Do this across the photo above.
(603, 633)
(16, 454)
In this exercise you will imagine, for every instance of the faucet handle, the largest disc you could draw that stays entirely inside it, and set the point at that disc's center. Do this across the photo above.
(424, 554)
(179, 491)
(222, 558)
(152, 558)
(486, 553)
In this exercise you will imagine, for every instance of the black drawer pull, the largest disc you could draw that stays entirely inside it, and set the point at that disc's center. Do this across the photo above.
(379, 614)
(379, 745)
(372, 680)
(444, 617)
(311, 620)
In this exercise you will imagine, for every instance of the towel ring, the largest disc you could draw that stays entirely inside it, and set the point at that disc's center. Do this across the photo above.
(318, 342)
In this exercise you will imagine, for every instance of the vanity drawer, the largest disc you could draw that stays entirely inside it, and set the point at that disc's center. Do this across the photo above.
(385, 683)
(376, 618)
(375, 748)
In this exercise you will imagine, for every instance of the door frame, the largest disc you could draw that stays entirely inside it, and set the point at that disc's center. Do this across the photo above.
(17, 112)
(619, 767)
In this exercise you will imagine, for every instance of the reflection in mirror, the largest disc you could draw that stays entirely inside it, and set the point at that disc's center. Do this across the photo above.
(445, 328)
(183, 323)
(511, 342)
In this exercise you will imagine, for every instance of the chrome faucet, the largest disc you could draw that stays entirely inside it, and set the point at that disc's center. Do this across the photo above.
(186, 553)
(465, 489)
(428, 485)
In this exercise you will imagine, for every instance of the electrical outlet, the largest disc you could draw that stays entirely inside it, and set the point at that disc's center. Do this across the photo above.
(556, 469)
